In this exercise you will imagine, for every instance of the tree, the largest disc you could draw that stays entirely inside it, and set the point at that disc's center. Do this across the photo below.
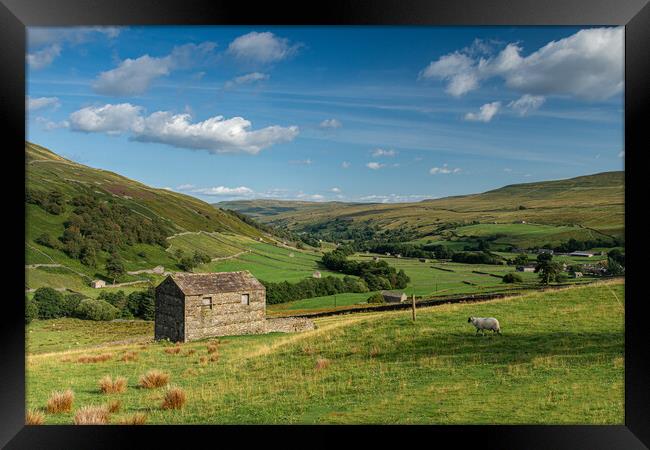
(96, 309)
(547, 269)
(376, 298)
(114, 267)
(512, 278)
(187, 263)
(614, 268)
(49, 303)
(31, 310)
(69, 303)
(201, 258)
(617, 255)
(520, 260)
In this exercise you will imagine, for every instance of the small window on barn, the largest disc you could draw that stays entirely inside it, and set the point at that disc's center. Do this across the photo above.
(206, 303)
(245, 299)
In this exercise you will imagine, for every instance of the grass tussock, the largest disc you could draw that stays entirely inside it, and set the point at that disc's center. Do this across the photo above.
(190, 352)
(85, 359)
(203, 360)
(135, 419)
(322, 363)
(374, 351)
(173, 350)
(213, 347)
(114, 406)
(214, 358)
(60, 401)
(91, 415)
(129, 356)
(175, 398)
(34, 417)
(109, 386)
(154, 379)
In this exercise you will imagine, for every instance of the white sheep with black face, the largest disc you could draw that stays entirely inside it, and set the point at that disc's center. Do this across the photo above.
(485, 323)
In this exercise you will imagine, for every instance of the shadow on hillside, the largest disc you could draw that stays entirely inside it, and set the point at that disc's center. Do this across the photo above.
(505, 348)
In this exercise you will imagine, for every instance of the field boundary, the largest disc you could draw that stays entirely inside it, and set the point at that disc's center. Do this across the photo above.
(461, 298)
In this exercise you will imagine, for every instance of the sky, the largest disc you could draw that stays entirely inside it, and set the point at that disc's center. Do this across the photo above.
(369, 114)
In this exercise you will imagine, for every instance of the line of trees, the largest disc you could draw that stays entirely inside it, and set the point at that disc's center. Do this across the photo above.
(377, 274)
(284, 291)
(49, 303)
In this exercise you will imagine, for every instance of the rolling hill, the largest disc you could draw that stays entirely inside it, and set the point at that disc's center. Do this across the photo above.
(593, 205)
(56, 190)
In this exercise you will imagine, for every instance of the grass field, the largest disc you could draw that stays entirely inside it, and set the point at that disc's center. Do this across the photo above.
(559, 360)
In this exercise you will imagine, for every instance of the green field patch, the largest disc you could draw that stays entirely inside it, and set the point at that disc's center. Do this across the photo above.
(527, 235)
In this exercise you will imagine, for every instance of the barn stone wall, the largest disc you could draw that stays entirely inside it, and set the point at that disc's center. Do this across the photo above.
(169, 312)
(227, 315)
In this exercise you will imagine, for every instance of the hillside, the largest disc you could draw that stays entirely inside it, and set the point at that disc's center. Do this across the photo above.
(594, 203)
(71, 207)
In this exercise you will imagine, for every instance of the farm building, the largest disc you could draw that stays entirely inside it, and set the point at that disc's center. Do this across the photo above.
(577, 274)
(97, 284)
(423, 260)
(375, 258)
(192, 306)
(545, 250)
(525, 268)
(316, 274)
(585, 254)
(393, 297)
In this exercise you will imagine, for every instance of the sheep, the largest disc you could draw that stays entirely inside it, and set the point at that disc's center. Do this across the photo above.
(485, 323)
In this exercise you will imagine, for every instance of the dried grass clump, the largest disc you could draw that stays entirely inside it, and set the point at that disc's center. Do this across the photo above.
(91, 415)
(34, 417)
(153, 379)
(203, 359)
(135, 419)
(213, 347)
(129, 356)
(94, 358)
(190, 352)
(374, 351)
(114, 406)
(322, 363)
(173, 350)
(214, 358)
(174, 398)
(60, 401)
(109, 386)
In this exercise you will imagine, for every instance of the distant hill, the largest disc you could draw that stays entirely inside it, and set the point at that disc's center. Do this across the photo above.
(594, 201)
(159, 220)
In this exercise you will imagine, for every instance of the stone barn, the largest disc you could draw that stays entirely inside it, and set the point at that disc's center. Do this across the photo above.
(193, 306)
(393, 296)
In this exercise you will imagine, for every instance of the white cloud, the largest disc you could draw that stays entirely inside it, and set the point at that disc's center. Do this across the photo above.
(34, 104)
(345, 164)
(336, 190)
(241, 191)
(111, 119)
(50, 125)
(46, 44)
(215, 134)
(43, 57)
(375, 165)
(485, 114)
(587, 65)
(249, 78)
(381, 152)
(262, 47)
(621, 154)
(330, 123)
(395, 198)
(184, 187)
(301, 162)
(527, 103)
(134, 76)
(443, 170)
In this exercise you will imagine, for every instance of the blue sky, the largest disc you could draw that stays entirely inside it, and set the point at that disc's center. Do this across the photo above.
(379, 114)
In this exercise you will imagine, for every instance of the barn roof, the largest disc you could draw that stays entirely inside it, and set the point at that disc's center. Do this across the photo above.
(392, 294)
(209, 283)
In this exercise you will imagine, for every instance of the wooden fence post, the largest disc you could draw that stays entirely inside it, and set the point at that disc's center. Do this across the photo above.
(413, 306)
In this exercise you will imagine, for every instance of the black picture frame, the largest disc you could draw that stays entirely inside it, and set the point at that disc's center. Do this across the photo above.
(15, 15)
